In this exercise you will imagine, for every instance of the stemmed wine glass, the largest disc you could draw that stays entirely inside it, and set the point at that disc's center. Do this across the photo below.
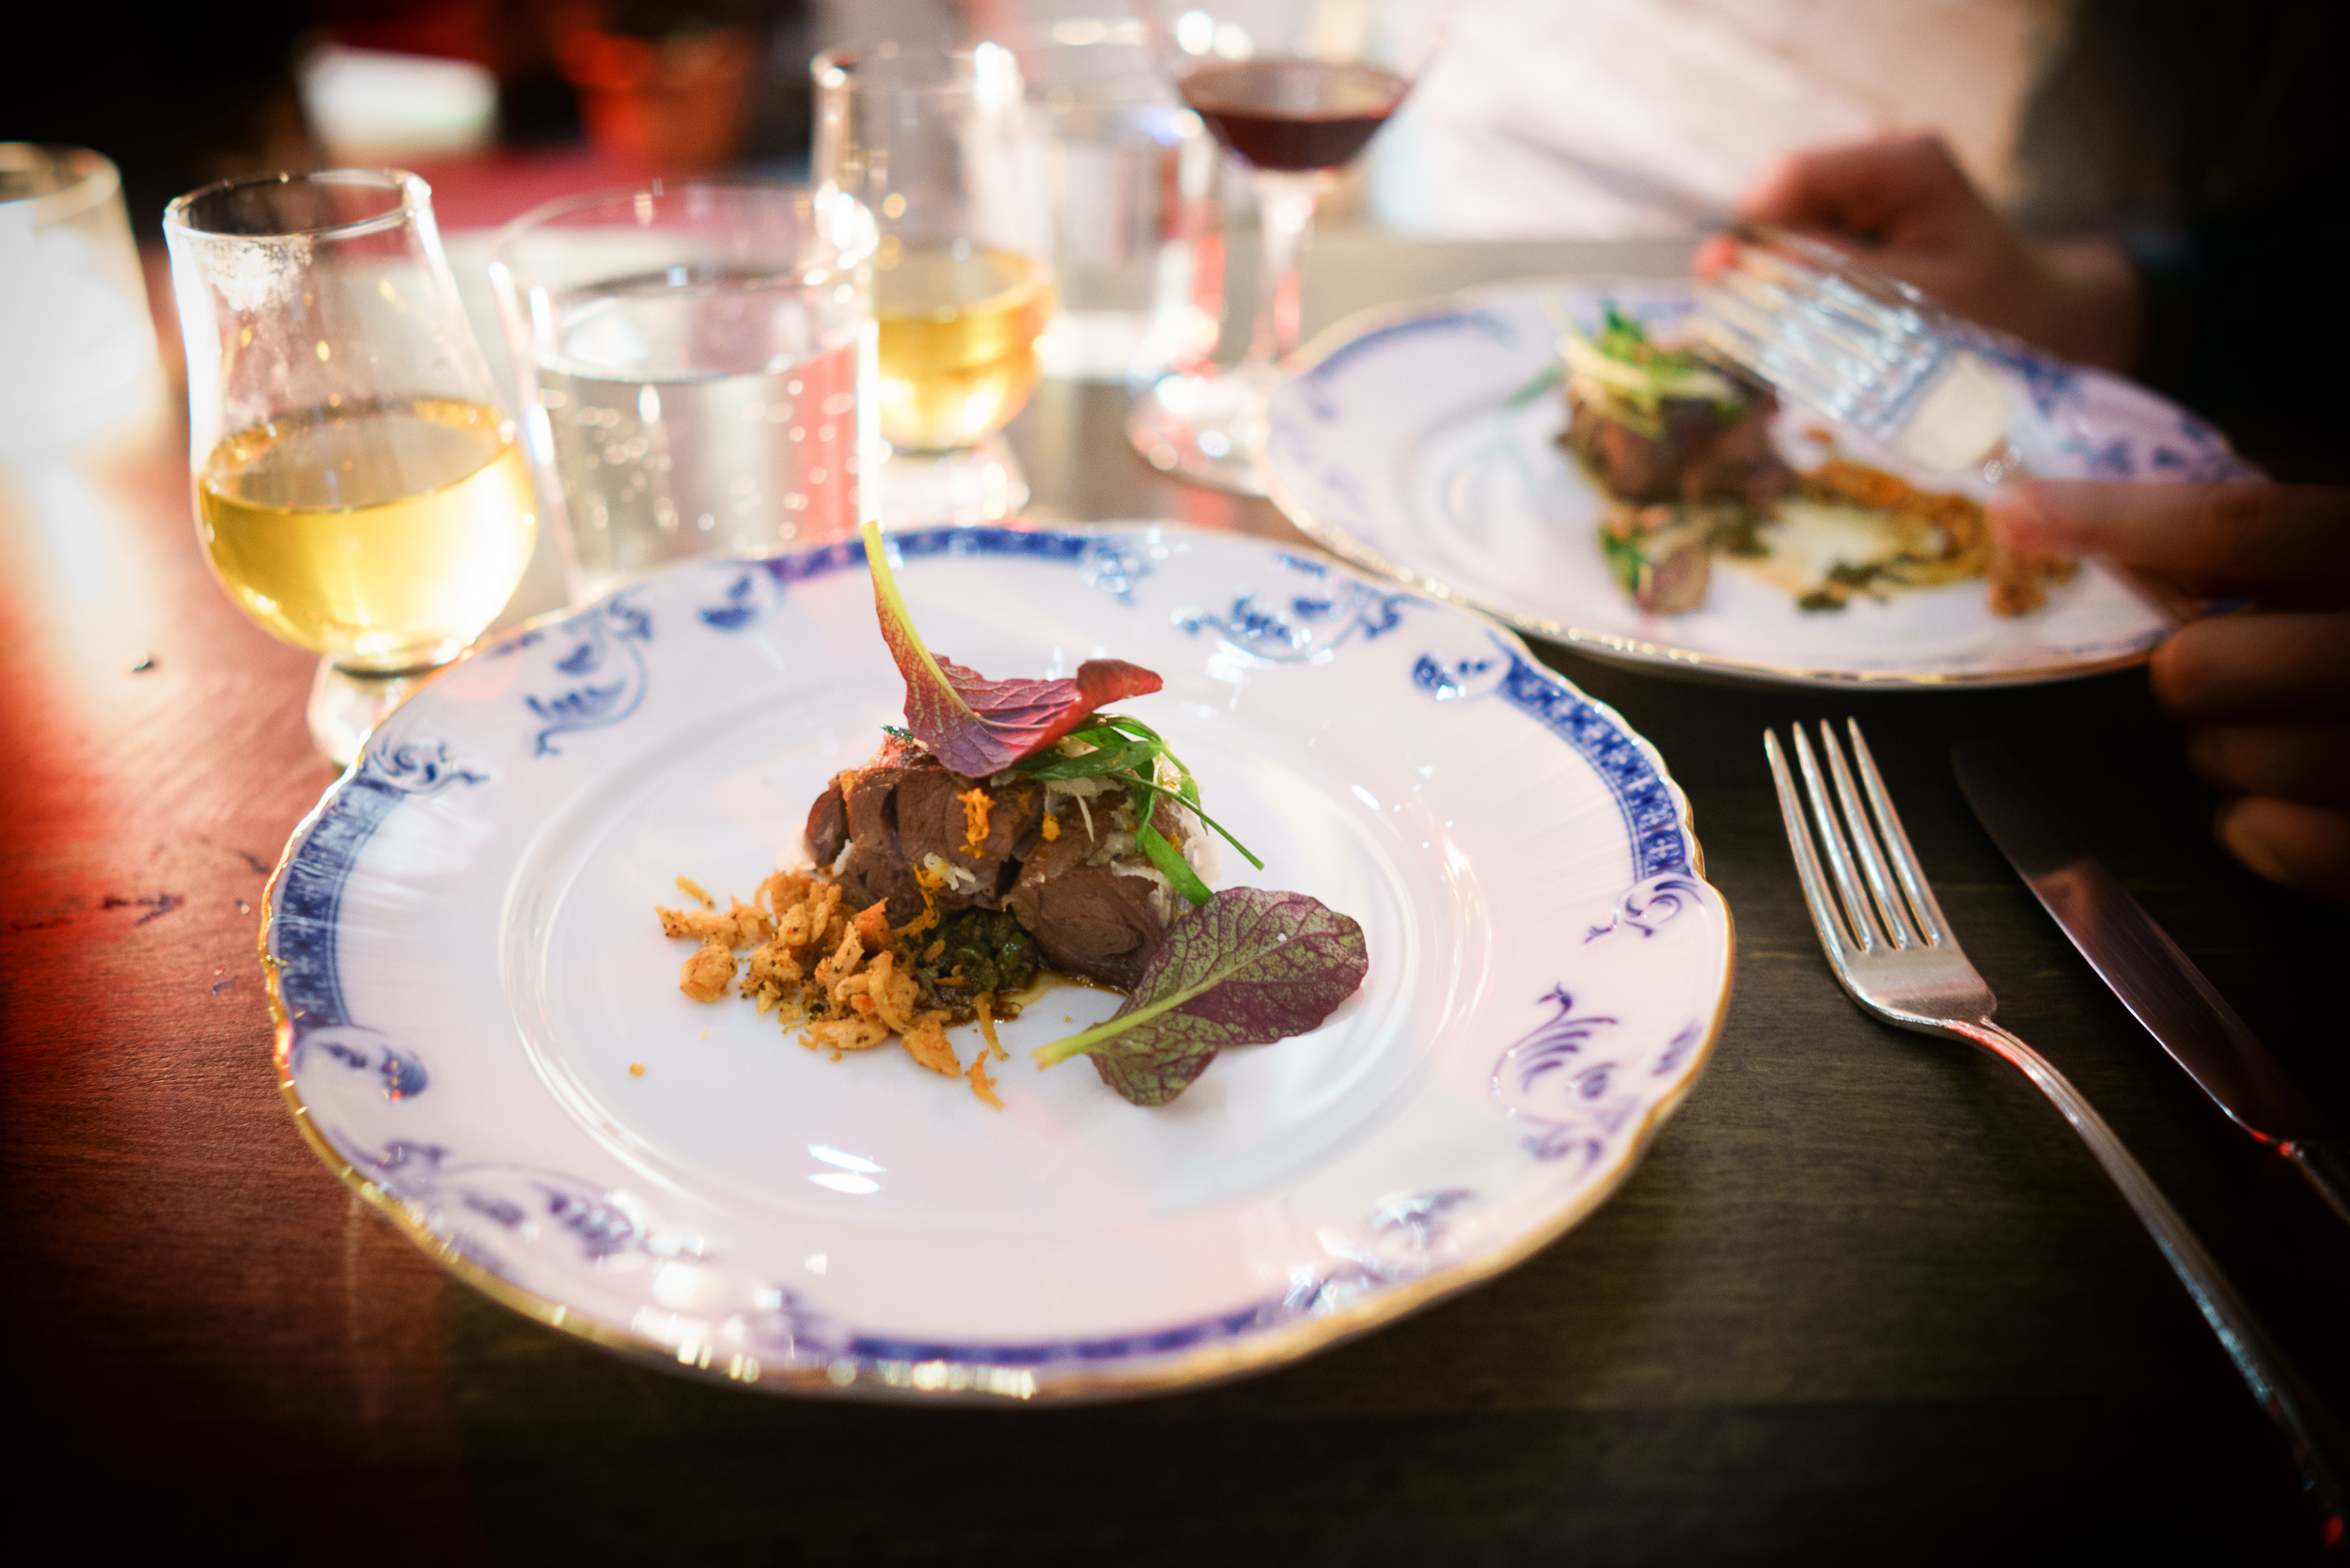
(358, 491)
(1294, 89)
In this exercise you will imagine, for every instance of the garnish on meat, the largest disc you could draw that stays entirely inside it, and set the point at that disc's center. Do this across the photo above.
(937, 896)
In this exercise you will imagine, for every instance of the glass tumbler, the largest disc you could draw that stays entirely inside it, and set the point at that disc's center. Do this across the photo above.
(357, 490)
(697, 369)
(76, 342)
(1130, 184)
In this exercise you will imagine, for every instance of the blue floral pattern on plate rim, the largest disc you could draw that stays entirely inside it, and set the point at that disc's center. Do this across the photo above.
(1539, 1081)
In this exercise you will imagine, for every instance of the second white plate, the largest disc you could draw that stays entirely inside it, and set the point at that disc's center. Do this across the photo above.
(1395, 445)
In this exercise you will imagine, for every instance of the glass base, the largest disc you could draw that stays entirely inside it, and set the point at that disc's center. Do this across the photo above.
(1207, 429)
(346, 706)
(978, 484)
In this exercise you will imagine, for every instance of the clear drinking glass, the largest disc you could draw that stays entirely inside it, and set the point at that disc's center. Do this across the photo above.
(697, 367)
(1130, 178)
(357, 490)
(936, 145)
(1294, 89)
(76, 342)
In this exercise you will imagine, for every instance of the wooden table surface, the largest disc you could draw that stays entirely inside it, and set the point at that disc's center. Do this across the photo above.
(1867, 1295)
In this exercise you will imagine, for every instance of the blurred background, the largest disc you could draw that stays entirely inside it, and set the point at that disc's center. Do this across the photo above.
(2204, 126)
(1591, 118)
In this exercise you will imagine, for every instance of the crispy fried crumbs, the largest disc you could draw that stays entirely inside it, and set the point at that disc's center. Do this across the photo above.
(837, 976)
(981, 1085)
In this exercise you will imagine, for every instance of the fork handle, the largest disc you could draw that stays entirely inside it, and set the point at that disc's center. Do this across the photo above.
(2315, 1442)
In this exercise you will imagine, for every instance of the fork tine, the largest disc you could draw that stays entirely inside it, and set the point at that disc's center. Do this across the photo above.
(1889, 907)
(1897, 848)
(1807, 861)
(1850, 346)
(1859, 324)
(1832, 843)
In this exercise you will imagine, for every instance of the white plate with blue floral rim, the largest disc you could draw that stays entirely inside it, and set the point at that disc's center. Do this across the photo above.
(1400, 443)
(481, 1026)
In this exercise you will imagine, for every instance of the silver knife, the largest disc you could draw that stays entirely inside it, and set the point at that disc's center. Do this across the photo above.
(2158, 983)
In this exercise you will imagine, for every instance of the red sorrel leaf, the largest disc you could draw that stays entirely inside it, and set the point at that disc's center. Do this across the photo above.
(1247, 967)
(975, 726)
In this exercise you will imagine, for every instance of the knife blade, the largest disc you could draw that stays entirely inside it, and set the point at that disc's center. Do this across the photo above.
(2158, 983)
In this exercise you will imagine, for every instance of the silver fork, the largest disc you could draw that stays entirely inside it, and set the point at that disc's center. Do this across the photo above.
(1862, 348)
(1893, 952)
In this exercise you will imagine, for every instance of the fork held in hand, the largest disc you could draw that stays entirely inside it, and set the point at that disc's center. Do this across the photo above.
(1893, 952)
(1862, 347)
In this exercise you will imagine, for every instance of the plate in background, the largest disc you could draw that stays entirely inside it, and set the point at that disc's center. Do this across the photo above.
(1396, 444)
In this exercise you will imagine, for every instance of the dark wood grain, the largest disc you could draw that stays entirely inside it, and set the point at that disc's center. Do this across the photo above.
(1867, 1294)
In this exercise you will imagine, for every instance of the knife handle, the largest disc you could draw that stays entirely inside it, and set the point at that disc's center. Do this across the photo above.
(2325, 1162)
(2316, 1444)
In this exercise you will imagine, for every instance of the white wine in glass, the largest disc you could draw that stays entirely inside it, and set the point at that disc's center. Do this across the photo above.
(936, 145)
(359, 491)
(959, 326)
(387, 534)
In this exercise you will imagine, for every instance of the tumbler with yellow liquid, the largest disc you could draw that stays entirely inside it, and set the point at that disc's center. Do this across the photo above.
(937, 145)
(358, 491)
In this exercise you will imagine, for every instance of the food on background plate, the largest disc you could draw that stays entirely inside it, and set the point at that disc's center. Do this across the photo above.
(1679, 445)
(1661, 423)
(1936, 539)
(1011, 833)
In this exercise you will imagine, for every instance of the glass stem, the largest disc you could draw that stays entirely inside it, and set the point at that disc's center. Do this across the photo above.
(1285, 207)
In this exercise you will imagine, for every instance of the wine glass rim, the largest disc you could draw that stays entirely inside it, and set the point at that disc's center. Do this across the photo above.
(655, 190)
(833, 67)
(415, 197)
(92, 177)
(1079, 31)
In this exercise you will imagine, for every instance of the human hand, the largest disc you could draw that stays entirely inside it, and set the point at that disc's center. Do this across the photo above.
(1904, 207)
(2265, 694)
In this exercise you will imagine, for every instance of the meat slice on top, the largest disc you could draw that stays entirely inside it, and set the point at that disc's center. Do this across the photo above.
(1697, 455)
(984, 846)
(936, 814)
(903, 813)
(1089, 921)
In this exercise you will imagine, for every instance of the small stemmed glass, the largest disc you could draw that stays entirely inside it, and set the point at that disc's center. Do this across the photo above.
(358, 491)
(1294, 89)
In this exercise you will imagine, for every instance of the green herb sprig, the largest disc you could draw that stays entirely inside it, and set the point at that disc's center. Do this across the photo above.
(1126, 751)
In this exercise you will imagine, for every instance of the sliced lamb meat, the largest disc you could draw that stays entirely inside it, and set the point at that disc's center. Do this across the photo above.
(1089, 921)
(931, 819)
(1697, 456)
(828, 825)
(876, 868)
(904, 808)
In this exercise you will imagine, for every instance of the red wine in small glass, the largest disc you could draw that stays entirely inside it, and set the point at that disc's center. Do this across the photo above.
(1292, 115)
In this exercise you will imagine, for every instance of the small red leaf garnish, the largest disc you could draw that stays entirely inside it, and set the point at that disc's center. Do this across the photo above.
(975, 726)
